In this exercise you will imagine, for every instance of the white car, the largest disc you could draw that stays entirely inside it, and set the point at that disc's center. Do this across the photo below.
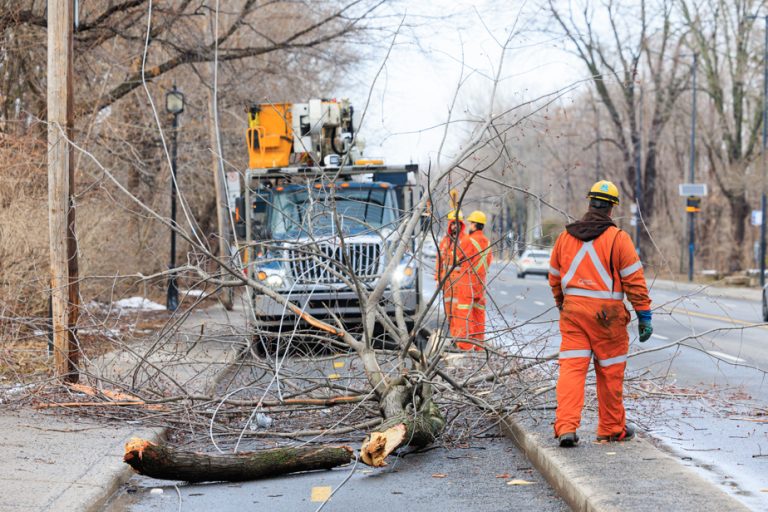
(533, 261)
(429, 249)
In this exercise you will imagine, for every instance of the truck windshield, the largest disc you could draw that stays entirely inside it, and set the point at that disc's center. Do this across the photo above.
(312, 210)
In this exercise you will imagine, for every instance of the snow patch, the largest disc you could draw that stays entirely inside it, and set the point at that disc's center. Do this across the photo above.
(139, 303)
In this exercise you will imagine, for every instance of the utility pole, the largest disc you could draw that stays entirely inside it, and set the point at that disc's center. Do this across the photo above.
(691, 171)
(638, 173)
(61, 184)
(765, 139)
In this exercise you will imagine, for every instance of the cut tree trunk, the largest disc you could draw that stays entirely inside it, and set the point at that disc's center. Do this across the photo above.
(166, 463)
(401, 428)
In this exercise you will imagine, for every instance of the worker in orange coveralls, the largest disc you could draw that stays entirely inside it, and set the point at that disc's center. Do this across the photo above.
(593, 265)
(479, 250)
(452, 265)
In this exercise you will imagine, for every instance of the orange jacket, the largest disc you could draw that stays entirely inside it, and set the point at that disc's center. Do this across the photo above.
(479, 250)
(450, 258)
(604, 268)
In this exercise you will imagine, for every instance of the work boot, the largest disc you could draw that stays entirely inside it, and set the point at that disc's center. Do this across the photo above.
(568, 440)
(625, 435)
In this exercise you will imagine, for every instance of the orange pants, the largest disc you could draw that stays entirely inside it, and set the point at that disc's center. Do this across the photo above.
(477, 322)
(592, 327)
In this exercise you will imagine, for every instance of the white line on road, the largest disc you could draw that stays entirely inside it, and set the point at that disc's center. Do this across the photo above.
(539, 303)
(520, 297)
(659, 337)
(725, 356)
(504, 293)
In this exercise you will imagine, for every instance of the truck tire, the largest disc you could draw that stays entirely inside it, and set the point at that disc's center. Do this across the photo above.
(521, 275)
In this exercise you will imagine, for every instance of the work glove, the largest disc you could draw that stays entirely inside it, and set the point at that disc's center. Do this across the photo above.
(645, 329)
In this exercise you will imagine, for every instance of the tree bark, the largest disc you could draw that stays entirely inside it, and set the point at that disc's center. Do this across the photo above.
(166, 463)
(739, 208)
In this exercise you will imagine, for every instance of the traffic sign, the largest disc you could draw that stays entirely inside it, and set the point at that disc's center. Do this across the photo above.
(693, 204)
(693, 189)
(757, 218)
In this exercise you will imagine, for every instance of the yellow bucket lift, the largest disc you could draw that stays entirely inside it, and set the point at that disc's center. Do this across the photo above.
(269, 135)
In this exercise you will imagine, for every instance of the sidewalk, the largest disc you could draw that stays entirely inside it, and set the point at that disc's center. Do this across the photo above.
(633, 476)
(55, 461)
(712, 290)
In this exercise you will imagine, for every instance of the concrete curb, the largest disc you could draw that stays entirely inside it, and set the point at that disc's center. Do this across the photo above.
(624, 477)
(125, 473)
(119, 476)
(577, 497)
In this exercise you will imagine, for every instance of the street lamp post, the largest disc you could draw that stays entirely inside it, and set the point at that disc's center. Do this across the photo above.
(174, 104)
(691, 171)
(765, 139)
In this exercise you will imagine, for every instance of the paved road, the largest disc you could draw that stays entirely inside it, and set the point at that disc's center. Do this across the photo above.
(474, 478)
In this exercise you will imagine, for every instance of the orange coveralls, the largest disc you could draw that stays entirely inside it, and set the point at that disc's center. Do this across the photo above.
(479, 249)
(588, 281)
(453, 261)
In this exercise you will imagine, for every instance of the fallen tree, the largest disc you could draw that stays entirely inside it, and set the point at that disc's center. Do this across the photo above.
(168, 463)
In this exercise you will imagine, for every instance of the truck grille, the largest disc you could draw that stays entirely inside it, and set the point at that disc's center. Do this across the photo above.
(325, 264)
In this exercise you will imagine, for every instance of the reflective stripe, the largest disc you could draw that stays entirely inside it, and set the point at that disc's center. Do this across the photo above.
(463, 306)
(613, 360)
(626, 271)
(483, 254)
(478, 306)
(595, 294)
(574, 354)
(588, 249)
(599, 266)
(554, 271)
(575, 264)
(482, 263)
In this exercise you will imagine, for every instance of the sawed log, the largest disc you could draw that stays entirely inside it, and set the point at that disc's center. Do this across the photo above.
(167, 463)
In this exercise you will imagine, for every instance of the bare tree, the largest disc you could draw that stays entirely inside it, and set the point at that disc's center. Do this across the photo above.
(631, 43)
(720, 33)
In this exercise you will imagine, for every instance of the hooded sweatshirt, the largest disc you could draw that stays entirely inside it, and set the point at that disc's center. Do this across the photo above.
(591, 225)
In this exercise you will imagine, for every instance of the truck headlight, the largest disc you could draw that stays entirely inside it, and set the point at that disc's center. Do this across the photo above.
(274, 281)
(271, 279)
(405, 273)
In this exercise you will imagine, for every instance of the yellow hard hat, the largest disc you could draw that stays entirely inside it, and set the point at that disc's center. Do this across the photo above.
(604, 190)
(477, 217)
(452, 215)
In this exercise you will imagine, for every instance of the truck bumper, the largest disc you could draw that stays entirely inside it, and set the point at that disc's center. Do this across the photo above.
(325, 305)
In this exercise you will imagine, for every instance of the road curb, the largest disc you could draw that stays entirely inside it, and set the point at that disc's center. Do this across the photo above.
(113, 483)
(119, 477)
(577, 497)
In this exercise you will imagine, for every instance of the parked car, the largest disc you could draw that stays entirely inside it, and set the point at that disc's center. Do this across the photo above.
(429, 249)
(533, 261)
(765, 303)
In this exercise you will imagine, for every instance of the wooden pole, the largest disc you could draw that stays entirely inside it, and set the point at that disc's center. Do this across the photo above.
(61, 214)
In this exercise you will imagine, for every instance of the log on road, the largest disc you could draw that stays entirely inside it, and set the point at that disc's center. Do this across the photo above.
(167, 463)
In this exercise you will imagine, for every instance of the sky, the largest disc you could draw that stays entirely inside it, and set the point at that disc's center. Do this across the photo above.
(442, 42)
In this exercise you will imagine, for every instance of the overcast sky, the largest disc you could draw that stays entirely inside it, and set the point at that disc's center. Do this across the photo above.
(415, 87)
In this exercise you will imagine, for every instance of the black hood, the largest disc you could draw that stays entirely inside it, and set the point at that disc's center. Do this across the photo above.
(592, 225)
